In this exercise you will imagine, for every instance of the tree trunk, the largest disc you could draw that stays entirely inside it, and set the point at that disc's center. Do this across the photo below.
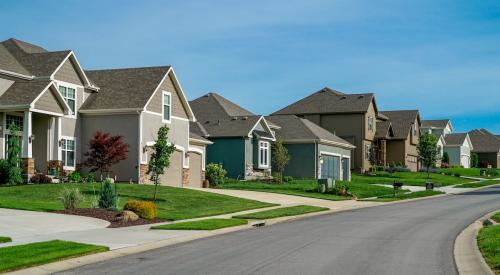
(156, 187)
(281, 176)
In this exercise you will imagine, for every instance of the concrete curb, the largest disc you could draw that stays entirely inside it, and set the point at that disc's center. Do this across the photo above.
(468, 258)
(95, 258)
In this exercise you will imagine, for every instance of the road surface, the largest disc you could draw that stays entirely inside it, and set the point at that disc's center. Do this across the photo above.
(407, 238)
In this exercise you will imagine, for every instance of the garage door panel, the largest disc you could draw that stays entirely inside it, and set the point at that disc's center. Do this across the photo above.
(173, 174)
(195, 162)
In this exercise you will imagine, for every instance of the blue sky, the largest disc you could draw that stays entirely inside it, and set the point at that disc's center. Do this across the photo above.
(441, 57)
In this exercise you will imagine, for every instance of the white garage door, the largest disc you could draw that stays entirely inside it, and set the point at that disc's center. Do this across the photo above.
(173, 174)
(195, 170)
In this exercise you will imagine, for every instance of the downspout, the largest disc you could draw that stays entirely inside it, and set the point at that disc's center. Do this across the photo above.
(316, 175)
(139, 148)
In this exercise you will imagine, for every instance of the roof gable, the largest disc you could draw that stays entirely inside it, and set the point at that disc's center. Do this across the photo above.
(484, 141)
(212, 107)
(402, 121)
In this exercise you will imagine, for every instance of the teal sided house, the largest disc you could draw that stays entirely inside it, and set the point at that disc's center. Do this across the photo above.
(241, 140)
(315, 153)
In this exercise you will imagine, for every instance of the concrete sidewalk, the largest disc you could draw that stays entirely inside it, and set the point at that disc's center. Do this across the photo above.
(446, 189)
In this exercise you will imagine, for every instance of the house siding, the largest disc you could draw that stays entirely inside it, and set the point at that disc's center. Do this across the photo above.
(230, 153)
(302, 163)
(155, 105)
(48, 102)
(67, 73)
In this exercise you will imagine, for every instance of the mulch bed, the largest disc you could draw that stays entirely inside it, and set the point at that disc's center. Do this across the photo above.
(115, 218)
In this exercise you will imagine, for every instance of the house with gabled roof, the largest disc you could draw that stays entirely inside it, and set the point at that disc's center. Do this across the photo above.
(241, 140)
(436, 126)
(402, 146)
(458, 146)
(349, 116)
(487, 146)
(59, 107)
(315, 153)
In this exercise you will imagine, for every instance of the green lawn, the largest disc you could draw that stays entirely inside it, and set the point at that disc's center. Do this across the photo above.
(478, 184)
(308, 188)
(282, 212)
(173, 203)
(5, 239)
(488, 241)
(23, 256)
(470, 172)
(496, 217)
(208, 224)
(404, 196)
(411, 178)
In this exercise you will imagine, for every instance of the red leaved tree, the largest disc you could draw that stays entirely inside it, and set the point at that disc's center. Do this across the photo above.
(105, 151)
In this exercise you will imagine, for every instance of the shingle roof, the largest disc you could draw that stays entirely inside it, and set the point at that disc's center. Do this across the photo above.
(401, 121)
(329, 101)
(437, 123)
(124, 88)
(23, 92)
(212, 107)
(455, 138)
(28, 59)
(384, 129)
(294, 128)
(230, 126)
(484, 141)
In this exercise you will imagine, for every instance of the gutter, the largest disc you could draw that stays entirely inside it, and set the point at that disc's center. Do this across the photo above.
(23, 76)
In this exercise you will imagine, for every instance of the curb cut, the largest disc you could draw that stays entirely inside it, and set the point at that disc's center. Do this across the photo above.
(468, 258)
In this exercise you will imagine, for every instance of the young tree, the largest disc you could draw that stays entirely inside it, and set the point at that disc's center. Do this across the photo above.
(160, 158)
(372, 157)
(428, 151)
(13, 161)
(474, 160)
(105, 151)
(446, 158)
(280, 156)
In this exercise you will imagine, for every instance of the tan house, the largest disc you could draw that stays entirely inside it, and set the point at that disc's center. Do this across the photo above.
(487, 147)
(402, 146)
(59, 107)
(352, 117)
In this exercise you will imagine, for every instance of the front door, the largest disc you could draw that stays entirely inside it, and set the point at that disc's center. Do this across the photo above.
(345, 169)
(330, 167)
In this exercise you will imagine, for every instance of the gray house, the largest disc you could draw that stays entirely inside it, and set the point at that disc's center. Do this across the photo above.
(60, 107)
(241, 139)
(458, 146)
(314, 152)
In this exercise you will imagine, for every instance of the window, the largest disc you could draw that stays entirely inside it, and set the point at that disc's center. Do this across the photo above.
(414, 129)
(68, 152)
(167, 106)
(367, 151)
(370, 123)
(16, 120)
(69, 95)
(263, 154)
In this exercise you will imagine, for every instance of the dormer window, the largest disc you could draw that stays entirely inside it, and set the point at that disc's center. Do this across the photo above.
(370, 124)
(69, 95)
(167, 106)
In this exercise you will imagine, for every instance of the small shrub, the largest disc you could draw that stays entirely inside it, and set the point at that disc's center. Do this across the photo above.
(341, 189)
(492, 172)
(144, 209)
(75, 177)
(288, 179)
(215, 174)
(457, 175)
(71, 198)
(107, 196)
(40, 178)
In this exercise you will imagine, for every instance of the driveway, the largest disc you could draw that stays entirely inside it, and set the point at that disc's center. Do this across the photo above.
(414, 237)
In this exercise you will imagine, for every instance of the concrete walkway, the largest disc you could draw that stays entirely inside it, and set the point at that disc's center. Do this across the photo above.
(288, 200)
(446, 189)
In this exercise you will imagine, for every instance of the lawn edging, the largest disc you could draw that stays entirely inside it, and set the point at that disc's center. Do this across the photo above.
(468, 257)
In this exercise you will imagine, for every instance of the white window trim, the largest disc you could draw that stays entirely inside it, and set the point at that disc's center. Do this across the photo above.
(70, 168)
(260, 165)
(72, 86)
(163, 93)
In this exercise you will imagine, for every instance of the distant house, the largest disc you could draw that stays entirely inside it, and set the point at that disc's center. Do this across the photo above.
(314, 151)
(402, 146)
(458, 146)
(487, 146)
(382, 135)
(241, 139)
(349, 116)
(440, 144)
(437, 126)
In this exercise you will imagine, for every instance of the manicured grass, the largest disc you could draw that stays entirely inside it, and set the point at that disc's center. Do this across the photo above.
(411, 178)
(404, 196)
(208, 224)
(478, 184)
(496, 217)
(23, 256)
(5, 239)
(172, 203)
(470, 172)
(282, 212)
(488, 241)
(309, 188)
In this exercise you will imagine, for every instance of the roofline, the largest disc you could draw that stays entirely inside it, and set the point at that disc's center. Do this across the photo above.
(267, 125)
(10, 107)
(56, 94)
(200, 141)
(323, 141)
(79, 68)
(18, 75)
(112, 111)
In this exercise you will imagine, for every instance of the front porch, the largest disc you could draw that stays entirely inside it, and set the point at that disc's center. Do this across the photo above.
(39, 135)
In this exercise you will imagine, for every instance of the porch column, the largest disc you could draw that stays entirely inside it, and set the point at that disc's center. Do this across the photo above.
(27, 152)
(55, 158)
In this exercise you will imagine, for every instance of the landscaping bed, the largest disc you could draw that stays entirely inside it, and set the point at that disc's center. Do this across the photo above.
(208, 224)
(115, 218)
(33, 254)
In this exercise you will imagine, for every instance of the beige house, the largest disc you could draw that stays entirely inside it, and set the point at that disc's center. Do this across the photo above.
(352, 117)
(402, 146)
(59, 108)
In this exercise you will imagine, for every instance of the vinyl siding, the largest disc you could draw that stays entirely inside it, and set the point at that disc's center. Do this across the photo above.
(155, 105)
(48, 102)
(230, 152)
(68, 73)
(302, 161)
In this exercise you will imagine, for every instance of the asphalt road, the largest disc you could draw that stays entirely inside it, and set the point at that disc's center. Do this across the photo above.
(408, 238)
